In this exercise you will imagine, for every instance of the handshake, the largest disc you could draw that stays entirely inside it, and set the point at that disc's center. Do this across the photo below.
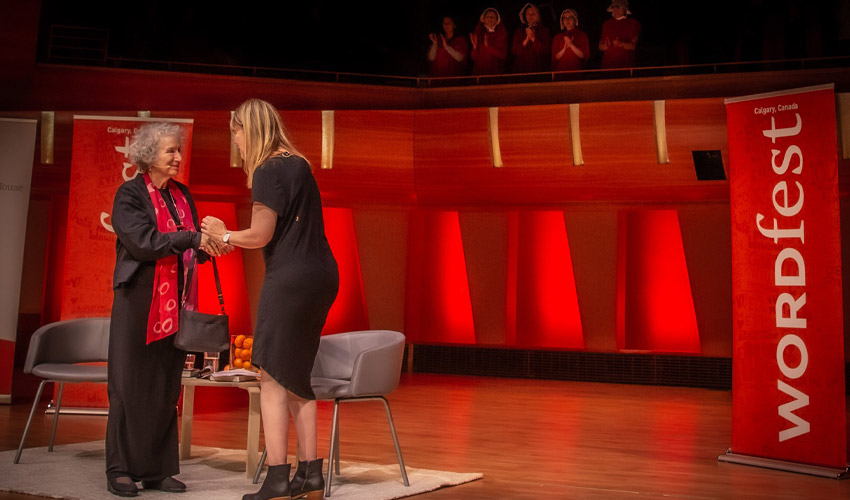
(212, 232)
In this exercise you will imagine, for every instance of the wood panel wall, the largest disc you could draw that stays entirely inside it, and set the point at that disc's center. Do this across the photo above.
(401, 171)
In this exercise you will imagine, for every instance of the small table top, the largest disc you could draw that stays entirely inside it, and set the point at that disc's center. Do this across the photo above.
(203, 382)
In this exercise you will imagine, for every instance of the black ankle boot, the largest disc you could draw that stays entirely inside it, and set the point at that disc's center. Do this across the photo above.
(276, 484)
(308, 477)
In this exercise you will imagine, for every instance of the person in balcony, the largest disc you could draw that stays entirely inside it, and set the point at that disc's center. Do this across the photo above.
(448, 55)
(619, 37)
(489, 44)
(532, 43)
(570, 47)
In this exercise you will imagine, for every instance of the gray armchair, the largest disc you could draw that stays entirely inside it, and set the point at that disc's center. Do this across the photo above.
(356, 366)
(54, 353)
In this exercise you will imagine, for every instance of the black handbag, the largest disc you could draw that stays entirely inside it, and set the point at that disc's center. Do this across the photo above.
(201, 332)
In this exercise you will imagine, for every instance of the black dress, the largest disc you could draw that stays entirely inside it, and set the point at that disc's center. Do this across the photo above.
(144, 380)
(301, 280)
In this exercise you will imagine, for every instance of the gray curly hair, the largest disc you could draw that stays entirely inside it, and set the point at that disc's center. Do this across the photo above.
(145, 145)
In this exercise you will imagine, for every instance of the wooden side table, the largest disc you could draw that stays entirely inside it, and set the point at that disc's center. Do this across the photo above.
(253, 445)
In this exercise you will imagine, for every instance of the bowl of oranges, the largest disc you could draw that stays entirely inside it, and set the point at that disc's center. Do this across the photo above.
(241, 348)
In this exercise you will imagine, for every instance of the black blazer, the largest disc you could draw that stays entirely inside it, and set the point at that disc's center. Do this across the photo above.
(140, 244)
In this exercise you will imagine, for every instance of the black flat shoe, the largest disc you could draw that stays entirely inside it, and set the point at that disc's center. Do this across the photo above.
(122, 489)
(168, 485)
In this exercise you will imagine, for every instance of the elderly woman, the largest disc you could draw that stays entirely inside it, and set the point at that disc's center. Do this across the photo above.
(158, 235)
(531, 43)
(570, 48)
(299, 287)
(489, 44)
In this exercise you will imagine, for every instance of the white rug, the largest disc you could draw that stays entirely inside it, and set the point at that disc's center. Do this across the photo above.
(76, 471)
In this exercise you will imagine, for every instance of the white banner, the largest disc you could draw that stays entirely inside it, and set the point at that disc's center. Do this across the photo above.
(17, 146)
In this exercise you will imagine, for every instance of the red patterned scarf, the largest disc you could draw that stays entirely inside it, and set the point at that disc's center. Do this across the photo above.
(165, 305)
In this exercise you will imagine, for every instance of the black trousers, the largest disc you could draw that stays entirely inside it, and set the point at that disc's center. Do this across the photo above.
(143, 388)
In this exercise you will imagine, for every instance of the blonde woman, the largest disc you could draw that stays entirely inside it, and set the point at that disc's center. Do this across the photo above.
(300, 284)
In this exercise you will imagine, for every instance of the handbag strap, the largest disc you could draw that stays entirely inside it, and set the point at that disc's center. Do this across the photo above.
(217, 283)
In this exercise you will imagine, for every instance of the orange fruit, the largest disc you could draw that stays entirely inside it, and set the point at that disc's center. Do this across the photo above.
(247, 365)
(246, 354)
(237, 353)
(237, 363)
(226, 367)
(248, 342)
(240, 339)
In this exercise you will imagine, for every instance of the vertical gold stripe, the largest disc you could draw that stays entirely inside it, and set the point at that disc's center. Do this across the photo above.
(844, 123)
(661, 132)
(575, 135)
(495, 148)
(235, 158)
(144, 114)
(48, 121)
(328, 139)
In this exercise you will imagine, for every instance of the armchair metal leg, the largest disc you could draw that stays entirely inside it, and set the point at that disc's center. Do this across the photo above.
(29, 421)
(395, 441)
(332, 448)
(333, 459)
(336, 448)
(56, 415)
(260, 466)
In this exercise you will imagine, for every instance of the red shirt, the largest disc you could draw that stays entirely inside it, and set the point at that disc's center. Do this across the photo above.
(570, 61)
(446, 65)
(489, 58)
(626, 30)
(532, 57)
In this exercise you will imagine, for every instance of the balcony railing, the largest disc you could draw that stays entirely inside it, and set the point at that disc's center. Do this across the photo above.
(87, 46)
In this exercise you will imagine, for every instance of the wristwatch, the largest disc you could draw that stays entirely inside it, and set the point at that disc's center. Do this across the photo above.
(226, 237)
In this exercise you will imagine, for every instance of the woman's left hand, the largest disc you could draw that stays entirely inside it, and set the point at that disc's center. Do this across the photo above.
(209, 246)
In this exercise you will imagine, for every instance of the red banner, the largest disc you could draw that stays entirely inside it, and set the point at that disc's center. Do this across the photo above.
(99, 165)
(788, 401)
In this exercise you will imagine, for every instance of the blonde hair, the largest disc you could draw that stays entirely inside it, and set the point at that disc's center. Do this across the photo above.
(264, 134)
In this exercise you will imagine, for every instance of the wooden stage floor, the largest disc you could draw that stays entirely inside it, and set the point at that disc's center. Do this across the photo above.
(532, 439)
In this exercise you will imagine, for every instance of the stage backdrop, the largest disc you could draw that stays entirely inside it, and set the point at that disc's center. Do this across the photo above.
(788, 353)
(99, 165)
(17, 144)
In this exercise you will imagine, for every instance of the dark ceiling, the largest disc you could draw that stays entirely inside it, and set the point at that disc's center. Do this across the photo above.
(391, 37)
